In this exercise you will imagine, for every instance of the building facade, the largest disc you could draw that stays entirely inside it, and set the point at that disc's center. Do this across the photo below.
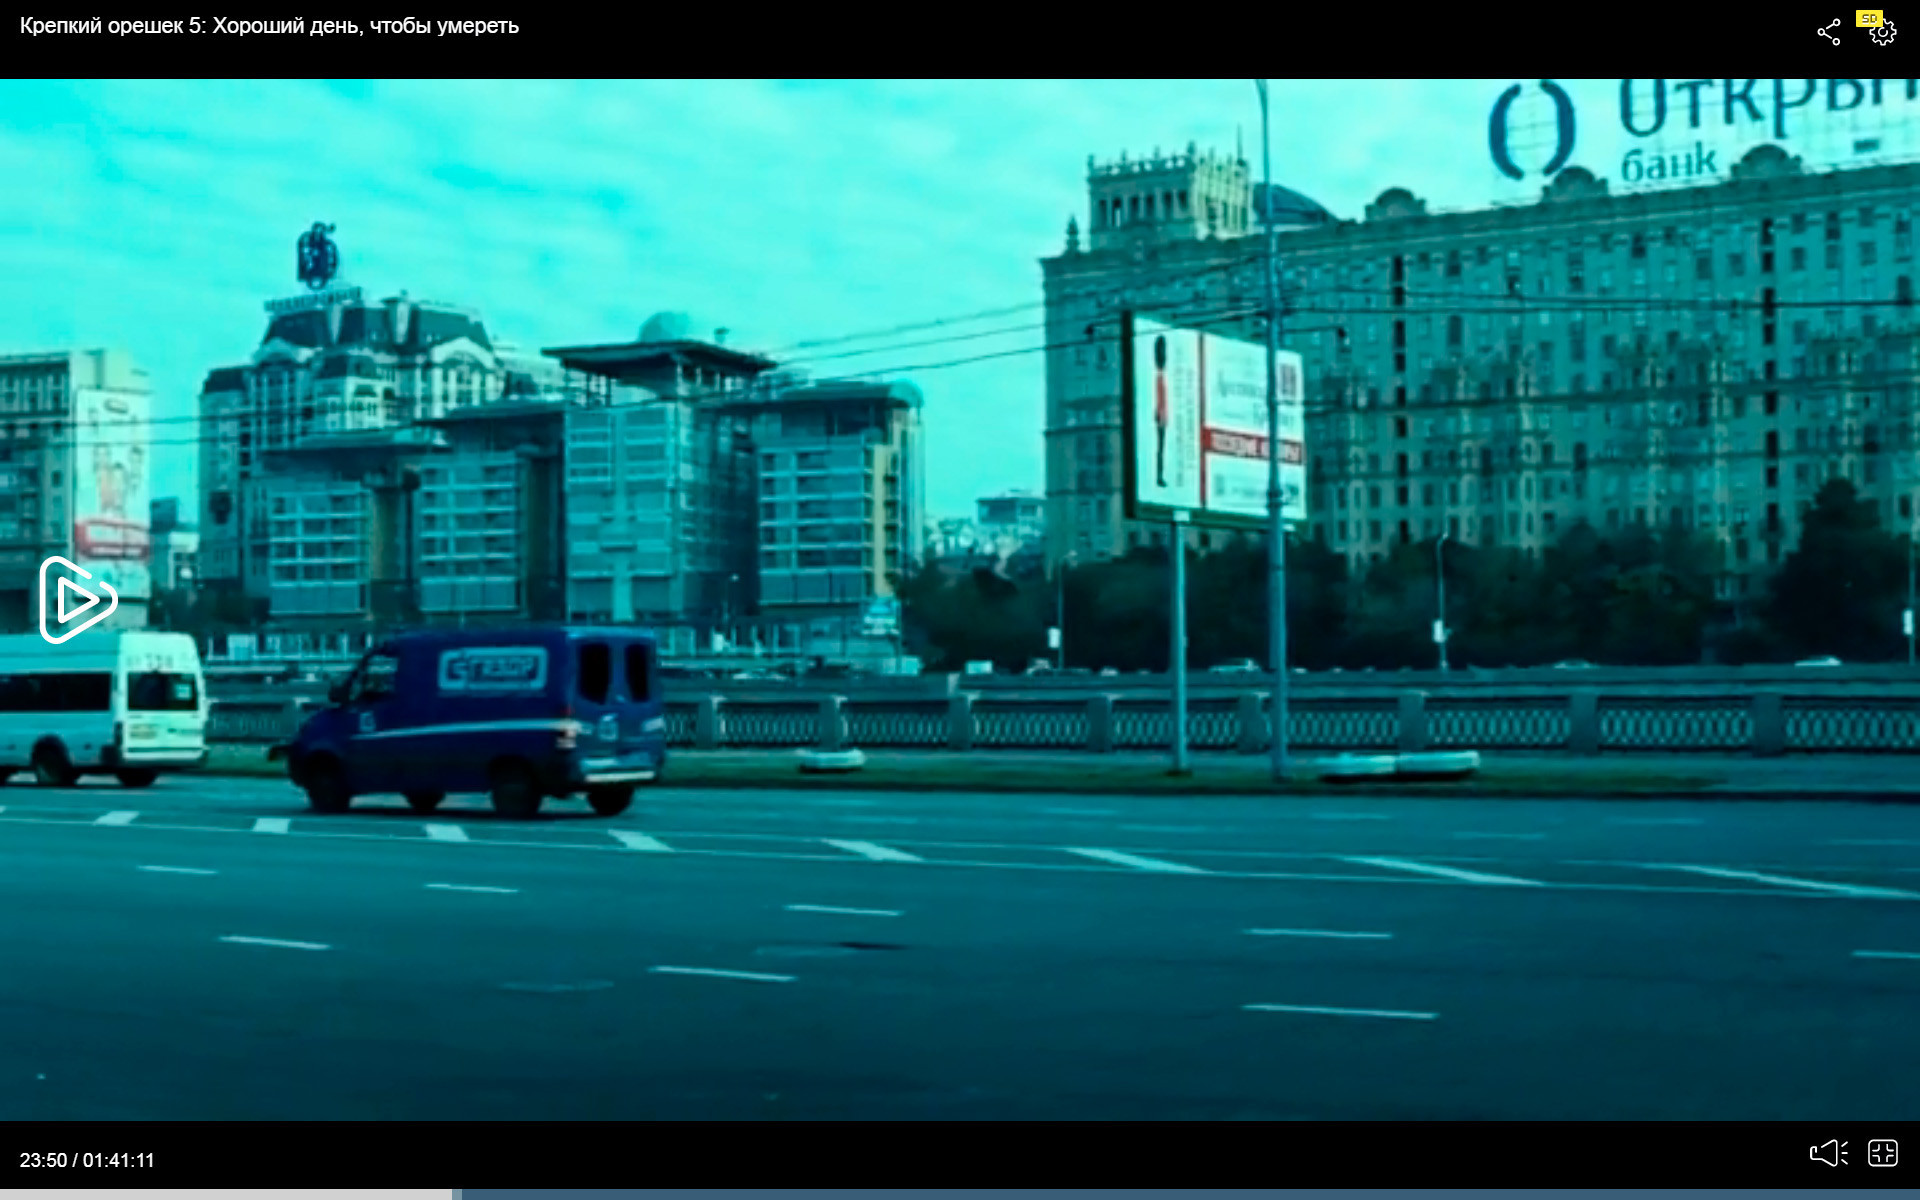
(1014, 526)
(841, 486)
(381, 463)
(1703, 357)
(175, 546)
(661, 483)
(75, 474)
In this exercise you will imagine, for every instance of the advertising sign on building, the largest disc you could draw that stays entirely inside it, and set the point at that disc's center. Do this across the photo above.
(1195, 426)
(1643, 134)
(111, 509)
(882, 618)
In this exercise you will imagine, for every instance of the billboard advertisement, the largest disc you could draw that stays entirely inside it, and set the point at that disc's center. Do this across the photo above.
(1195, 426)
(111, 505)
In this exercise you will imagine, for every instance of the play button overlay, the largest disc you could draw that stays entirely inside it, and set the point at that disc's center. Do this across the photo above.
(68, 614)
(70, 601)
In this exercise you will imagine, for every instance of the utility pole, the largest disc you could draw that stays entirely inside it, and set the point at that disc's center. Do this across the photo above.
(1276, 518)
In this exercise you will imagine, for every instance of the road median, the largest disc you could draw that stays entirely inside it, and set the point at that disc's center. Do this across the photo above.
(901, 771)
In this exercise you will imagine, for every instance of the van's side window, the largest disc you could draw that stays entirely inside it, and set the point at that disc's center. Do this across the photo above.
(57, 692)
(375, 678)
(160, 691)
(639, 671)
(596, 672)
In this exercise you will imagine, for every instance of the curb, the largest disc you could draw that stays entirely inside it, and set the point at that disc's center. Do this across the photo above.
(852, 781)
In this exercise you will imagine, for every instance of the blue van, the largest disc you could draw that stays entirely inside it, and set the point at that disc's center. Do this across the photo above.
(520, 714)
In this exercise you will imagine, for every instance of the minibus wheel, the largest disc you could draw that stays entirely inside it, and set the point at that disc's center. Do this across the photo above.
(425, 802)
(516, 793)
(610, 801)
(51, 767)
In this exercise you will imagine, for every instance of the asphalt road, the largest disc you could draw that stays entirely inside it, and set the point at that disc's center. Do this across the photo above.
(208, 949)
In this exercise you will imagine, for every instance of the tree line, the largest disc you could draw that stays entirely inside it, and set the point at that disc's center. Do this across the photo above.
(1636, 597)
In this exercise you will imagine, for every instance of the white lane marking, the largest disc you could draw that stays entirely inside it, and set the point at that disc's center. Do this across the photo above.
(1352, 817)
(465, 887)
(1834, 842)
(446, 833)
(1081, 812)
(254, 941)
(1401, 864)
(1647, 889)
(1812, 885)
(749, 975)
(1901, 954)
(1656, 821)
(1500, 837)
(639, 841)
(180, 870)
(847, 912)
(1344, 1012)
(1318, 933)
(1136, 862)
(272, 825)
(870, 850)
(117, 818)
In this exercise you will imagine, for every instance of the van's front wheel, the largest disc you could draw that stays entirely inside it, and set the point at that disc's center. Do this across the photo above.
(516, 793)
(326, 787)
(610, 801)
(136, 777)
(51, 767)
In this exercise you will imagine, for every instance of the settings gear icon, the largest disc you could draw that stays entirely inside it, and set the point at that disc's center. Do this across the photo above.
(1882, 34)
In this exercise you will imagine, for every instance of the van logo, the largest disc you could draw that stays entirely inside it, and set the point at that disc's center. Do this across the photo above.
(494, 669)
(366, 722)
(609, 728)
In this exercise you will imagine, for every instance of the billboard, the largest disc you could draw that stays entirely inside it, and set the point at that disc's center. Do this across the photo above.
(1194, 426)
(111, 509)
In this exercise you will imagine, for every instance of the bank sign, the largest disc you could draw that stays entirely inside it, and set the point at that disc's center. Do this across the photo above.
(1649, 132)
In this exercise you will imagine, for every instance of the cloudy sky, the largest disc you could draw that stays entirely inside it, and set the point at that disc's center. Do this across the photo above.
(160, 216)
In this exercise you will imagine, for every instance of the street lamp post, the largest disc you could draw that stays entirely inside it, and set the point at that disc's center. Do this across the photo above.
(1907, 618)
(1440, 591)
(1276, 518)
(1060, 620)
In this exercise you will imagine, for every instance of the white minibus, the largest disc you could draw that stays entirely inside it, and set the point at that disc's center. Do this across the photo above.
(129, 704)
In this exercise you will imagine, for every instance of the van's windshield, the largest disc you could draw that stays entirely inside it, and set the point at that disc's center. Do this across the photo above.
(159, 691)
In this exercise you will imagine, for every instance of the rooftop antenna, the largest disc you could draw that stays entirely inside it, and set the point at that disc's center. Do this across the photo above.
(1239, 143)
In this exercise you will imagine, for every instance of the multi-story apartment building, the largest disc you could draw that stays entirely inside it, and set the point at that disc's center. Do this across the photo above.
(74, 477)
(660, 485)
(175, 545)
(841, 485)
(1013, 525)
(1703, 356)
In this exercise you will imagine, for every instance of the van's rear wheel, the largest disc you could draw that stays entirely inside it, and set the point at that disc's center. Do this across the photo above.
(610, 801)
(51, 767)
(326, 787)
(136, 777)
(516, 793)
(425, 802)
